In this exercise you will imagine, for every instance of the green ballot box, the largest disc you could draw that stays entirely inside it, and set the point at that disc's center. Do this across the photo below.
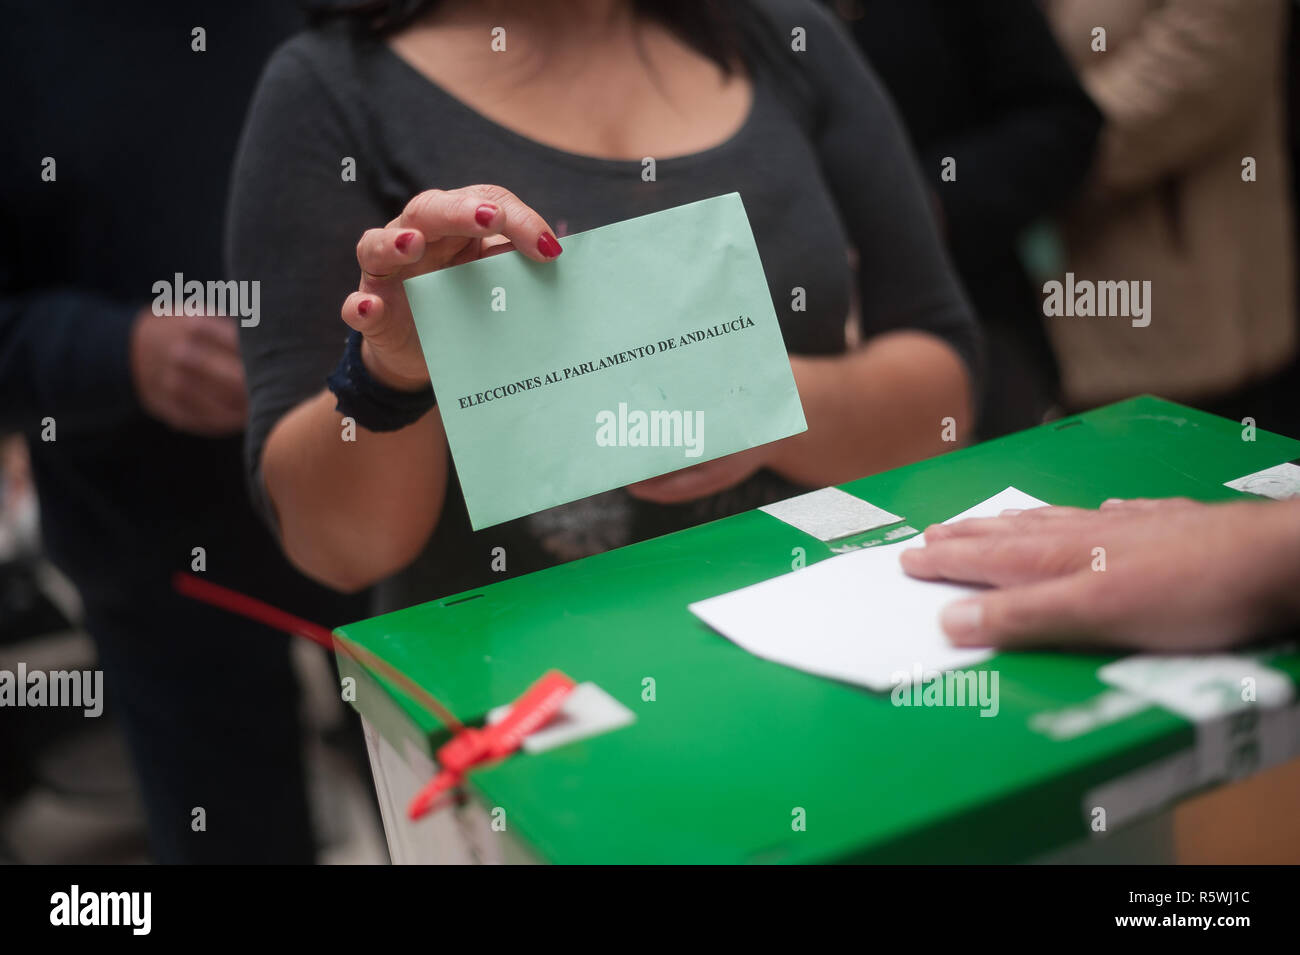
(732, 758)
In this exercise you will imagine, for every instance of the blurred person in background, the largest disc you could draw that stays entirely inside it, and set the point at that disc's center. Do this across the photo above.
(1193, 95)
(115, 179)
(989, 99)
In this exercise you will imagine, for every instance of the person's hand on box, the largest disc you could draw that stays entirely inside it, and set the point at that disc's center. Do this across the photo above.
(1178, 575)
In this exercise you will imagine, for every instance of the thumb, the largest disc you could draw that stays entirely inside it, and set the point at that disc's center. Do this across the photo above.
(1038, 614)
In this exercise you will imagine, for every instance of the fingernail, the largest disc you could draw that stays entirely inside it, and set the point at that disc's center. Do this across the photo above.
(962, 620)
(1011, 512)
(935, 532)
(363, 307)
(1112, 501)
(484, 214)
(403, 241)
(548, 246)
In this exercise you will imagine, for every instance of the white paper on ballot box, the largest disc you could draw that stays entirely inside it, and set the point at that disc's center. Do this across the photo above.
(856, 617)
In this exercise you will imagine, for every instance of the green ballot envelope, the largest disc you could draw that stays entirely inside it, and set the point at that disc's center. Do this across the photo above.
(648, 346)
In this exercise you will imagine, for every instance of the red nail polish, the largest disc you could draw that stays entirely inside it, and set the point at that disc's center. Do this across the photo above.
(363, 307)
(548, 246)
(403, 241)
(484, 214)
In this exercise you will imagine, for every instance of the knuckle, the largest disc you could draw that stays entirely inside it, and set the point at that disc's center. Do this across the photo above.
(172, 381)
(983, 551)
(463, 204)
(1084, 597)
(367, 244)
(1049, 561)
(423, 204)
(492, 192)
(185, 358)
(950, 559)
(191, 340)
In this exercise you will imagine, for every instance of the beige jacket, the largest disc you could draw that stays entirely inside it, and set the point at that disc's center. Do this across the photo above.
(1189, 88)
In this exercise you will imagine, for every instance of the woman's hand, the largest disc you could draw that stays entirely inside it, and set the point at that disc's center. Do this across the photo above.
(700, 480)
(435, 230)
(1177, 575)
